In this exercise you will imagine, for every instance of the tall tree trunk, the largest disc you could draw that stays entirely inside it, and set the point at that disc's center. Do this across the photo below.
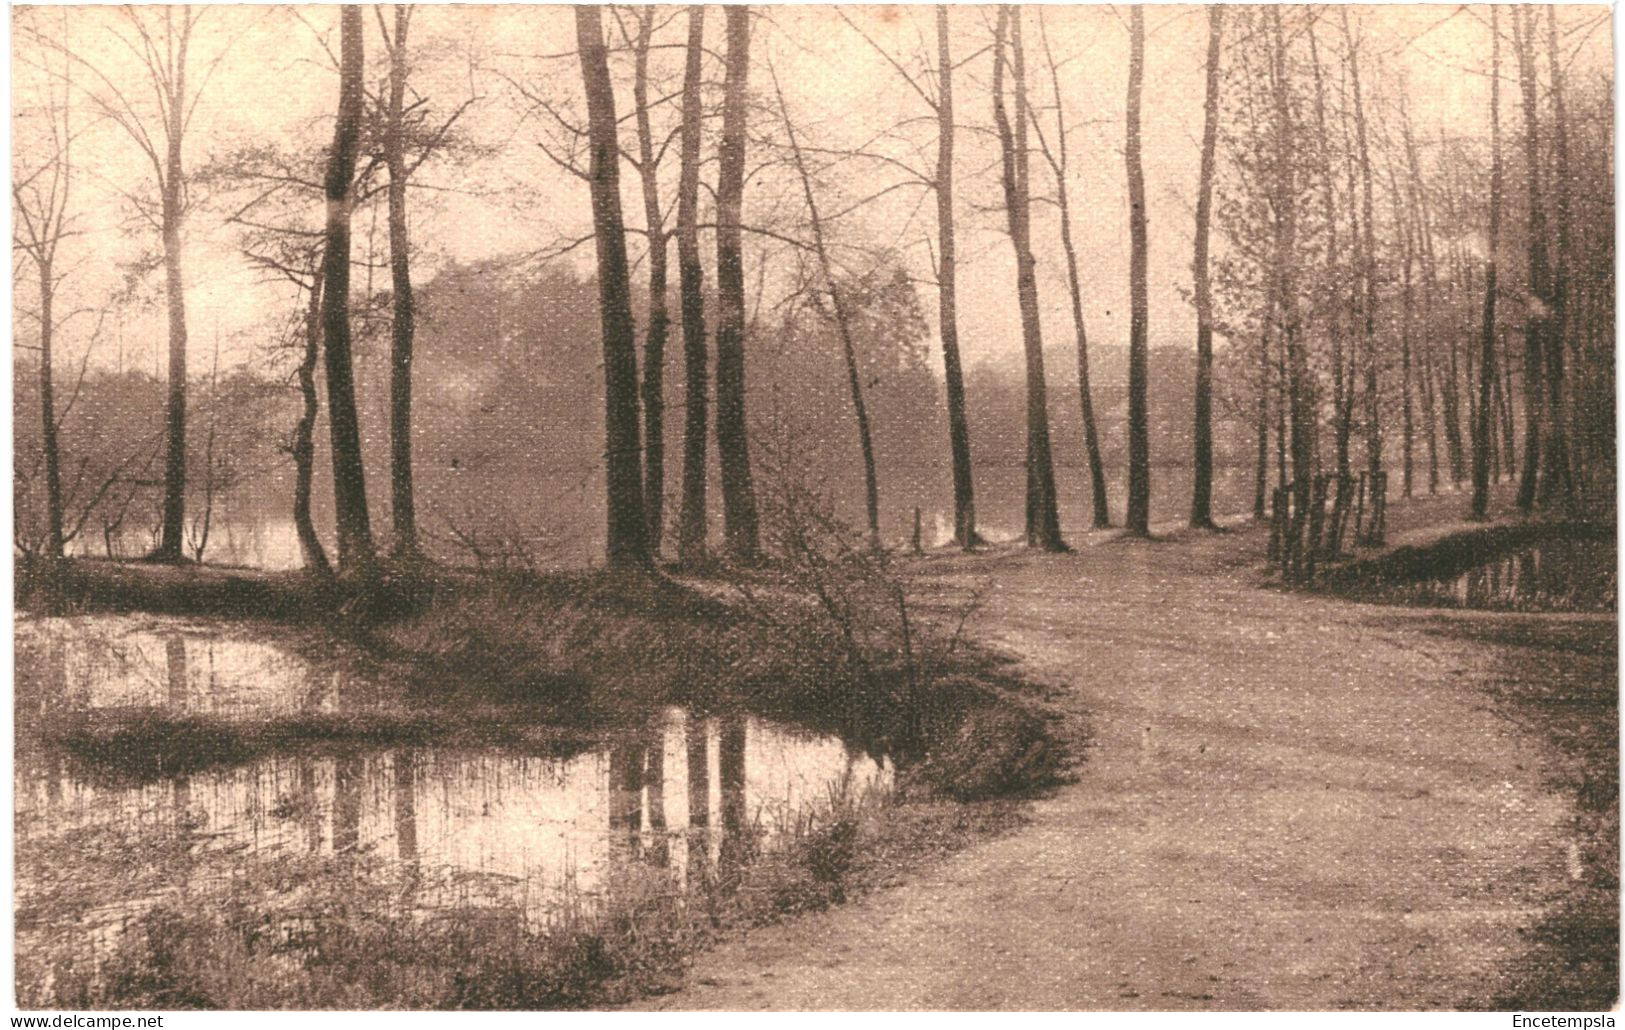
(1535, 323)
(402, 509)
(1407, 330)
(172, 214)
(1557, 482)
(842, 322)
(1262, 473)
(1486, 364)
(738, 492)
(947, 296)
(654, 340)
(1373, 405)
(1202, 491)
(349, 483)
(1043, 521)
(47, 403)
(1342, 389)
(304, 433)
(1503, 407)
(1139, 444)
(691, 522)
(1059, 163)
(1431, 374)
(627, 544)
(1300, 398)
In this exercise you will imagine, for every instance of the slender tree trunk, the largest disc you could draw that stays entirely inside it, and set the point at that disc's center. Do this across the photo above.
(627, 544)
(1535, 324)
(1407, 331)
(1557, 481)
(1043, 522)
(1486, 364)
(173, 213)
(304, 434)
(842, 323)
(947, 296)
(691, 527)
(1373, 406)
(1503, 408)
(1300, 398)
(1262, 473)
(349, 483)
(1059, 163)
(402, 509)
(1341, 388)
(654, 340)
(1202, 491)
(47, 401)
(1431, 374)
(738, 491)
(1139, 444)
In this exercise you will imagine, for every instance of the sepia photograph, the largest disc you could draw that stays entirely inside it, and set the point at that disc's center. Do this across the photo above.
(815, 508)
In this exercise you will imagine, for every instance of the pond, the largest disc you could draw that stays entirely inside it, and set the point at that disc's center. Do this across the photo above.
(1548, 576)
(662, 806)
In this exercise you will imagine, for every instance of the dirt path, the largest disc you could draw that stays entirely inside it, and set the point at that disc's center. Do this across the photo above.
(1288, 803)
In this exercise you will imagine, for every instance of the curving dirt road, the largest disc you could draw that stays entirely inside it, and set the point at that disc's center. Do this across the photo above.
(1287, 803)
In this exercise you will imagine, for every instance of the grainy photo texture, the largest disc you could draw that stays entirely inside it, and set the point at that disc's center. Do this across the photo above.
(814, 507)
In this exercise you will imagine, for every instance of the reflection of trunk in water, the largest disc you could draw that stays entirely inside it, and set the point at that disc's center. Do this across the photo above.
(406, 816)
(699, 798)
(731, 772)
(654, 778)
(347, 776)
(625, 785)
(309, 814)
(175, 662)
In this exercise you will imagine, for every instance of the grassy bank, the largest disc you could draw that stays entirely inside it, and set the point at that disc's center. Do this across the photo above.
(550, 663)
(1452, 554)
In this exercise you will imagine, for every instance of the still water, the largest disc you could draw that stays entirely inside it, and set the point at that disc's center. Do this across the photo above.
(1551, 576)
(664, 805)
(558, 521)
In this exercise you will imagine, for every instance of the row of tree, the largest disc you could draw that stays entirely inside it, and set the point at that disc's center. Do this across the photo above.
(1333, 315)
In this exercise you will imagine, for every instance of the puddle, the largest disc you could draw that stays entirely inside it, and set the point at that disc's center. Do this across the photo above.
(1551, 576)
(665, 805)
(112, 663)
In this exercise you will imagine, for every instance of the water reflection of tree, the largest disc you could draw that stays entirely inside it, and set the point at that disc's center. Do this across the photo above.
(175, 663)
(654, 778)
(348, 773)
(406, 820)
(737, 844)
(699, 797)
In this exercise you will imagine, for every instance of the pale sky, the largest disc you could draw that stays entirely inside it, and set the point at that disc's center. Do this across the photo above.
(274, 83)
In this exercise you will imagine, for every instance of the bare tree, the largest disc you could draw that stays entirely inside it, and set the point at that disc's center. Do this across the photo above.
(1043, 522)
(738, 492)
(654, 338)
(1202, 491)
(1139, 445)
(947, 294)
(1486, 364)
(1368, 258)
(40, 194)
(403, 513)
(627, 542)
(691, 528)
(161, 40)
(1558, 484)
(842, 321)
(355, 552)
(1539, 307)
(941, 183)
(1058, 158)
